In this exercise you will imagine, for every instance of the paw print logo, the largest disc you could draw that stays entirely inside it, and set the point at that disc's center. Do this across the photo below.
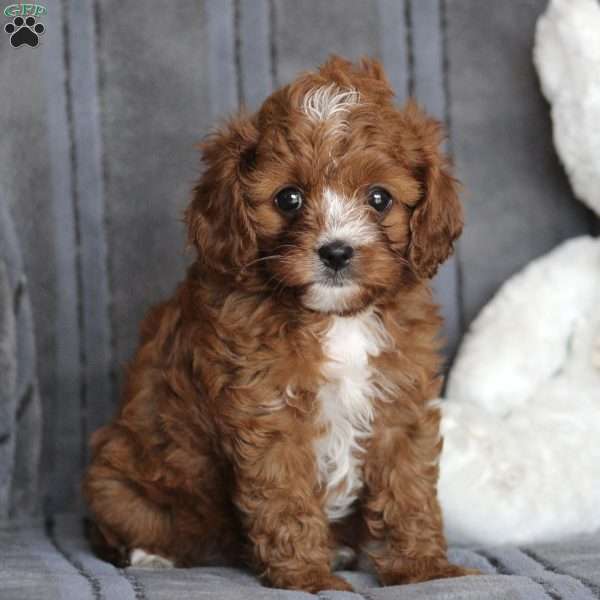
(24, 31)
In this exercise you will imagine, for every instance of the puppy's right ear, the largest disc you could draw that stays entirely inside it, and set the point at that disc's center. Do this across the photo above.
(218, 219)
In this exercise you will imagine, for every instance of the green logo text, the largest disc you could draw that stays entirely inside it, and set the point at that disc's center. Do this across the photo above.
(24, 10)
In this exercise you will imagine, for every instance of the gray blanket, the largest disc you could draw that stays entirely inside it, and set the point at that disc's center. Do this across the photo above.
(51, 561)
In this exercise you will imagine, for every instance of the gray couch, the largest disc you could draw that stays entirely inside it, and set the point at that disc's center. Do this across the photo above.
(98, 125)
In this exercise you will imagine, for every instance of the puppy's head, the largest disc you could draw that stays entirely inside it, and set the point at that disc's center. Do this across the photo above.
(329, 192)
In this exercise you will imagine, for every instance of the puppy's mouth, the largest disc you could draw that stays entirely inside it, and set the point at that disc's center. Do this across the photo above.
(327, 298)
(335, 279)
(335, 291)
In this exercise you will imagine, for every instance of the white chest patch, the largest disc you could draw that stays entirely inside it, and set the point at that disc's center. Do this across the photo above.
(347, 405)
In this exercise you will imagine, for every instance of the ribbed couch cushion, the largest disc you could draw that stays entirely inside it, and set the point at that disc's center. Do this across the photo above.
(51, 560)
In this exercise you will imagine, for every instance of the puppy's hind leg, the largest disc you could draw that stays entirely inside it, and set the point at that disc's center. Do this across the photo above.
(143, 560)
(129, 529)
(124, 518)
(106, 547)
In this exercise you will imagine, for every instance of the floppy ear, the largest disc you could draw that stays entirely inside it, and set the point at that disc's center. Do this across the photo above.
(437, 220)
(218, 218)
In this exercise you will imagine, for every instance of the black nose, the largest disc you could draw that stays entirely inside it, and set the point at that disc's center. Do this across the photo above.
(336, 255)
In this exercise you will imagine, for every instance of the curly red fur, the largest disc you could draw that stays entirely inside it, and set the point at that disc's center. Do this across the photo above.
(212, 453)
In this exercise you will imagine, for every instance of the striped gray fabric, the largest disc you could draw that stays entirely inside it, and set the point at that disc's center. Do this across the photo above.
(51, 561)
(96, 165)
(88, 193)
(20, 409)
(97, 162)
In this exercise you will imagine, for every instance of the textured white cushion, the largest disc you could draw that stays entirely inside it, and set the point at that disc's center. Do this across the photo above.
(521, 459)
(567, 57)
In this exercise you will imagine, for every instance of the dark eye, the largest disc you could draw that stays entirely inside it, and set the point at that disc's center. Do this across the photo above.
(289, 200)
(379, 199)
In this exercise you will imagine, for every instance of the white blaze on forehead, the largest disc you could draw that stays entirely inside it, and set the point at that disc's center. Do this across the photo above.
(347, 220)
(329, 102)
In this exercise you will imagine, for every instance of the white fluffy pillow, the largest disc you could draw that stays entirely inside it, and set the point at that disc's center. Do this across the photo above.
(567, 57)
(521, 458)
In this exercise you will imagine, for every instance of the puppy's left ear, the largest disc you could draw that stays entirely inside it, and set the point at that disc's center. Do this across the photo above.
(437, 220)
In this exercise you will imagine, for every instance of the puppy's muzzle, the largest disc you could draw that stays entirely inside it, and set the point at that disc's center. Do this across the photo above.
(336, 255)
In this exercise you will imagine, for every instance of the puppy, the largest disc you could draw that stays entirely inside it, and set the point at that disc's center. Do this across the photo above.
(278, 406)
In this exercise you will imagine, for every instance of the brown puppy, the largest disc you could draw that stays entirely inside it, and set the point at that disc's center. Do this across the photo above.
(278, 404)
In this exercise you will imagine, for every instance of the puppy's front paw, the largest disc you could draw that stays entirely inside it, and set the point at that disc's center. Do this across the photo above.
(426, 569)
(311, 582)
(332, 582)
(343, 558)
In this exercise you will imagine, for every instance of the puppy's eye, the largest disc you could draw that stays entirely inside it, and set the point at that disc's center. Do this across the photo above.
(379, 199)
(289, 200)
